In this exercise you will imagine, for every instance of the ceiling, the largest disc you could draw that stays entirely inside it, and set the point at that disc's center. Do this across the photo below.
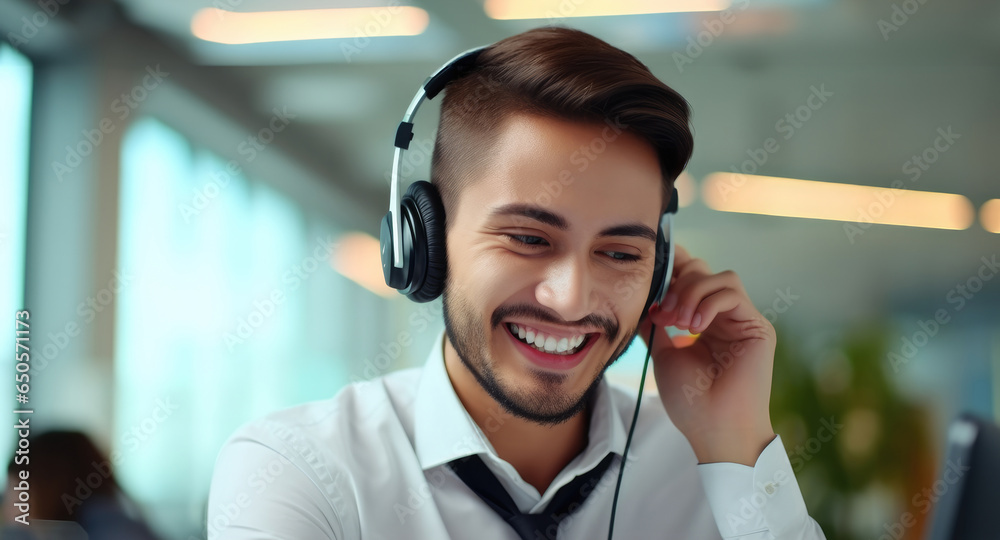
(892, 89)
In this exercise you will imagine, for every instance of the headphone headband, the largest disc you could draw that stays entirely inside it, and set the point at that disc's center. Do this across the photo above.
(451, 70)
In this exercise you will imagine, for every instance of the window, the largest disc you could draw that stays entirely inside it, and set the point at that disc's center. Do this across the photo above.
(229, 309)
(15, 117)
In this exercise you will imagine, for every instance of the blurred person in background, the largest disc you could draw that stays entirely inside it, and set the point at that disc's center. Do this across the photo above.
(70, 480)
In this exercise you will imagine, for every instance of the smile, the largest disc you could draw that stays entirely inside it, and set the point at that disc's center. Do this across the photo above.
(548, 344)
(575, 348)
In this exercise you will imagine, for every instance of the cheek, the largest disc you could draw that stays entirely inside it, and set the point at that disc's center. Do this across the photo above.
(496, 287)
(486, 279)
(630, 290)
(497, 273)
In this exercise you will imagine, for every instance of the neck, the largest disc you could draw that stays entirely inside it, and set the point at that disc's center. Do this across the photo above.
(538, 452)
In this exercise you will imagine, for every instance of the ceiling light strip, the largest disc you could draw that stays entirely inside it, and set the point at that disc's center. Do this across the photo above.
(231, 27)
(789, 197)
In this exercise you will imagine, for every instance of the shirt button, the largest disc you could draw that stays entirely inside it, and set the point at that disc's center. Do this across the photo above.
(769, 488)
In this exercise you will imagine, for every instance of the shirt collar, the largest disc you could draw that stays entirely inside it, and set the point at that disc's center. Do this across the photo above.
(444, 430)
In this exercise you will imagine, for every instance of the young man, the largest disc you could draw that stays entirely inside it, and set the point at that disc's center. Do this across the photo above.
(555, 158)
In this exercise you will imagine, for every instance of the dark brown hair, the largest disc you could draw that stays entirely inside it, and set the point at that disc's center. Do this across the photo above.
(560, 73)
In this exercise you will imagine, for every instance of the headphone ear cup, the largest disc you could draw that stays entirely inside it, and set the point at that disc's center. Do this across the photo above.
(659, 269)
(422, 204)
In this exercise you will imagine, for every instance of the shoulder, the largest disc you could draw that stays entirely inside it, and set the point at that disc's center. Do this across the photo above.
(313, 452)
(335, 423)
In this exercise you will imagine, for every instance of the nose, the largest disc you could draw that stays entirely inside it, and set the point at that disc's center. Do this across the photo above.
(567, 287)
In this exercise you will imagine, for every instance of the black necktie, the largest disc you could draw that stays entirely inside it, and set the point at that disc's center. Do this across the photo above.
(540, 526)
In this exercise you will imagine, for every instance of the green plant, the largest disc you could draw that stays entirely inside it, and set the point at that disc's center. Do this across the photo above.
(860, 450)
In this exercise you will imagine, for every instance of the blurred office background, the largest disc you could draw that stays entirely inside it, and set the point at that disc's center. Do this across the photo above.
(191, 205)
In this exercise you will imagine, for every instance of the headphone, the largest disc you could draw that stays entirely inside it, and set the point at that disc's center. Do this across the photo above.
(412, 234)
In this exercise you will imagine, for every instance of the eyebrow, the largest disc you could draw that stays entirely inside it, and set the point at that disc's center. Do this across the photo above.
(542, 215)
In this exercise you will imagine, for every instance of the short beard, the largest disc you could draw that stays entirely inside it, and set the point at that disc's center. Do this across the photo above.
(552, 406)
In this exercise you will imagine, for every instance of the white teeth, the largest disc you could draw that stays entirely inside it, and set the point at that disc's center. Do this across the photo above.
(549, 344)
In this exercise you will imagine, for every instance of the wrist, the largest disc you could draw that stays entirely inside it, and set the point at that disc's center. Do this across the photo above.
(741, 446)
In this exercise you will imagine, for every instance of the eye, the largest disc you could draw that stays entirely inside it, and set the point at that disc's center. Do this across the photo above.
(526, 240)
(622, 257)
(535, 241)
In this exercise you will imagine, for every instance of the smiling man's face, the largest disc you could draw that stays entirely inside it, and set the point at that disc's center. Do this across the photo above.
(586, 198)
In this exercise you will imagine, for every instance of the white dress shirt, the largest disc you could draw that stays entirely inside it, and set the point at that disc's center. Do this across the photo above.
(371, 463)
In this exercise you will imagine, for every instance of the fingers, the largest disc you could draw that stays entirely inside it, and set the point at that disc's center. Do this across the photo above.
(696, 296)
(688, 293)
(713, 304)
